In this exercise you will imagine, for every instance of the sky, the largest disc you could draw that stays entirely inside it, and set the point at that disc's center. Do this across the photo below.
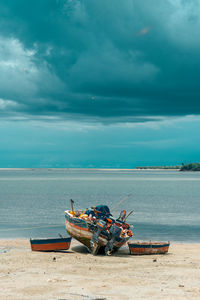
(97, 83)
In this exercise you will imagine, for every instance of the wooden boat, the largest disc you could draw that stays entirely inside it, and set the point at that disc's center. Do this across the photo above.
(81, 227)
(50, 244)
(141, 248)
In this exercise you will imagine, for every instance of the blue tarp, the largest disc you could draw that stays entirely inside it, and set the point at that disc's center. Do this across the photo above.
(102, 211)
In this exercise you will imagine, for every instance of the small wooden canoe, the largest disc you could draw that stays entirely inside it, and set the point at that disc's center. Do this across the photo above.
(141, 248)
(50, 244)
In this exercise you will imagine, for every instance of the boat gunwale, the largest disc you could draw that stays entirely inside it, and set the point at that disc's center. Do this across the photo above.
(41, 241)
(146, 244)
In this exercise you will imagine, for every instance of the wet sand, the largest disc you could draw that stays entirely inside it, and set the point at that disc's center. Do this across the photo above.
(76, 274)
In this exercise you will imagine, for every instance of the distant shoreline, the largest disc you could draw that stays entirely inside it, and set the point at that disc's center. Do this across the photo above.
(89, 169)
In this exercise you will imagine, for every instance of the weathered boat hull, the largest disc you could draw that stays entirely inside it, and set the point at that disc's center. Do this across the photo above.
(79, 229)
(51, 244)
(145, 248)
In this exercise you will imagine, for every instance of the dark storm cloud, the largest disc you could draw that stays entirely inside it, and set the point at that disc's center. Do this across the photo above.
(114, 59)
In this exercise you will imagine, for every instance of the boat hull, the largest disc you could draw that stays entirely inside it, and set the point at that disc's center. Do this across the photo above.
(145, 248)
(79, 229)
(50, 244)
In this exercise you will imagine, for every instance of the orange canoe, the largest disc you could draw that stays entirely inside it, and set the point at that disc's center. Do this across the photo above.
(50, 244)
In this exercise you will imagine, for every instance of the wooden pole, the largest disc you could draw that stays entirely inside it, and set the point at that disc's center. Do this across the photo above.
(128, 215)
(72, 206)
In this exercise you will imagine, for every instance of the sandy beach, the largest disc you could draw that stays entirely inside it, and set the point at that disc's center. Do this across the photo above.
(76, 274)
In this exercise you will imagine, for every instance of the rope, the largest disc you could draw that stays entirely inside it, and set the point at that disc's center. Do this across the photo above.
(121, 201)
(10, 229)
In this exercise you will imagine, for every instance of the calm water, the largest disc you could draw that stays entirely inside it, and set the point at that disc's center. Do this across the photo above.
(166, 203)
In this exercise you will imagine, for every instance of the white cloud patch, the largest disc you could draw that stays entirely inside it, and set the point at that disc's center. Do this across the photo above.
(184, 22)
(16, 68)
(177, 21)
(21, 75)
(4, 104)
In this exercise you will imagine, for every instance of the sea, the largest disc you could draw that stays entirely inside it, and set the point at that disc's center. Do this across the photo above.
(166, 203)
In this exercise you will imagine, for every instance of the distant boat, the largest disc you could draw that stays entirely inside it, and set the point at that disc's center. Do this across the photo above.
(50, 244)
(141, 248)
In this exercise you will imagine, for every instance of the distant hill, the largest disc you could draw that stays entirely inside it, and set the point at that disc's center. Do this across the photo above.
(190, 167)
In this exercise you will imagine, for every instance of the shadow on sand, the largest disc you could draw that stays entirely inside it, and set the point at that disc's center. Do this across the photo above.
(80, 249)
(123, 252)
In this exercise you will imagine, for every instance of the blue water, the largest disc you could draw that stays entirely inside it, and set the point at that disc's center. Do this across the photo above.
(166, 204)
